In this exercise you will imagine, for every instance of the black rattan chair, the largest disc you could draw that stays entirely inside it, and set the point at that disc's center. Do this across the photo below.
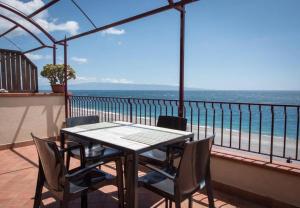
(163, 156)
(68, 185)
(94, 152)
(192, 174)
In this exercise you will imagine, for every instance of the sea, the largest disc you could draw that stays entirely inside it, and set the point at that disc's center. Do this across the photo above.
(272, 97)
(285, 124)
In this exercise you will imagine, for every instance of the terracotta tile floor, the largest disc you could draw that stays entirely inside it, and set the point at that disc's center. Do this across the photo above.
(18, 172)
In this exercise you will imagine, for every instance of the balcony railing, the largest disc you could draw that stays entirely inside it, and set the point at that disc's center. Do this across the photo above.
(17, 72)
(267, 129)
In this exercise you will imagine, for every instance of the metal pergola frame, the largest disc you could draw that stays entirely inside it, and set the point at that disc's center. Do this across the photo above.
(179, 6)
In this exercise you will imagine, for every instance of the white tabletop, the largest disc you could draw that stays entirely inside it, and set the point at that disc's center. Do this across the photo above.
(135, 137)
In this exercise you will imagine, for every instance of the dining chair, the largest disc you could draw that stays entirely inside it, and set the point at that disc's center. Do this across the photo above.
(192, 175)
(68, 185)
(164, 155)
(94, 152)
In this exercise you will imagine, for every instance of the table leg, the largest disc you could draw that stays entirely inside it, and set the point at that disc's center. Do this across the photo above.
(131, 180)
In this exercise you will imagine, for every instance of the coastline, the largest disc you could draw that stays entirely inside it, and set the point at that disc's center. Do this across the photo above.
(258, 144)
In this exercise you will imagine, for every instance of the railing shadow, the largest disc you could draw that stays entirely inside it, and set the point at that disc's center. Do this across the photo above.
(25, 158)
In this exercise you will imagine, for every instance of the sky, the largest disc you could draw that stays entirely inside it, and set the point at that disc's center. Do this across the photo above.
(230, 45)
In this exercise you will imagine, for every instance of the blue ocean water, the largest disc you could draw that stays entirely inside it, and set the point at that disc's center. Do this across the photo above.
(273, 97)
(281, 128)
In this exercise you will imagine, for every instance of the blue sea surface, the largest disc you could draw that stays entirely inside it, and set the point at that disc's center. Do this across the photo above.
(272, 97)
(285, 124)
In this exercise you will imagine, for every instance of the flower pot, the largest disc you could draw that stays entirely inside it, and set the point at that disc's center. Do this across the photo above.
(58, 88)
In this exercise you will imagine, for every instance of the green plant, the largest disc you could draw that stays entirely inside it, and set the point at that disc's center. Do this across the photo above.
(55, 73)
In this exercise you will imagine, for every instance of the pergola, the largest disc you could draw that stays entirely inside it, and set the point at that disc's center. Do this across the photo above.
(170, 4)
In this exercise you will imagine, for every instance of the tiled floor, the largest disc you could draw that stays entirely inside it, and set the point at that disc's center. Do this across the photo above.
(18, 173)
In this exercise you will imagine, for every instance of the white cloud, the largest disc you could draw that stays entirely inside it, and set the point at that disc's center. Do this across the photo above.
(79, 60)
(83, 79)
(116, 81)
(113, 31)
(43, 18)
(36, 57)
(69, 26)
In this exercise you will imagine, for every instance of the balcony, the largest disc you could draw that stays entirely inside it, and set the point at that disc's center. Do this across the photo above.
(18, 181)
(241, 178)
(255, 159)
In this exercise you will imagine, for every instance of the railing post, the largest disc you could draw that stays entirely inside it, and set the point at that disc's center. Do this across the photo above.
(130, 109)
(66, 78)
(272, 133)
(297, 132)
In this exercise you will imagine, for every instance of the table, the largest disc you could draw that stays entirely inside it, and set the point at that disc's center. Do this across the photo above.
(133, 139)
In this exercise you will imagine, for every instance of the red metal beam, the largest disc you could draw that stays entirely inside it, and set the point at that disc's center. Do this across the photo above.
(24, 28)
(84, 14)
(181, 64)
(130, 19)
(13, 43)
(171, 2)
(37, 48)
(54, 54)
(66, 77)
(46, 6)
(9, 8)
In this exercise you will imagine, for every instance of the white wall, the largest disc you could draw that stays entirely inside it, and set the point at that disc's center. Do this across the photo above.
(21, 114)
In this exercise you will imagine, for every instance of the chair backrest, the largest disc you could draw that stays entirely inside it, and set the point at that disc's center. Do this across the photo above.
(76, 121)
(194, 165)
(172, 122)
(52, 163)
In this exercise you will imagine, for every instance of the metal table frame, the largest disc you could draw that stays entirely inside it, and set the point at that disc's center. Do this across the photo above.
(131, 156)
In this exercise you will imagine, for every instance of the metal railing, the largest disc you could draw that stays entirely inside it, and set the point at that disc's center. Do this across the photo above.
(267, 129)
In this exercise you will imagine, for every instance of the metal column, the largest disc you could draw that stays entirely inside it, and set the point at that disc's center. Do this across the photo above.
(66, 77)
(181, 72)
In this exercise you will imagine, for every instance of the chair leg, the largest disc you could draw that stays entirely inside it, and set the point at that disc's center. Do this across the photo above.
(170, 204)
(68, 162)
(39, 189)
(177, 204)
(191, 201)
(209, 190)
(63, 204)
(120, 183)
(166, 203)
(84, 200)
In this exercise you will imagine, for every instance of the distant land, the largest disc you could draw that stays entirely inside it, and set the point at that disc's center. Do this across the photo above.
(118, 86)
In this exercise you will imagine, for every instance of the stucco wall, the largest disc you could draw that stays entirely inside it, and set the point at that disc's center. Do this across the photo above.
(282, 186)
(42, 114)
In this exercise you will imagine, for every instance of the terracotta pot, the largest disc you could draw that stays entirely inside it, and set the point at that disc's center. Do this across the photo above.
(58, 88)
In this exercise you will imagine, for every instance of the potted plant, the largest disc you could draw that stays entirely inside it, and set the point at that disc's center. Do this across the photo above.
(55, 74)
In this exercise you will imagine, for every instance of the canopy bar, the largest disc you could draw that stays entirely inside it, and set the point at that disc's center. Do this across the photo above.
(46, 6)
(24, 28)
(37, 48)
(130, 19)
(12, 42)
(81, 10)
(9, 8)
(171, 2)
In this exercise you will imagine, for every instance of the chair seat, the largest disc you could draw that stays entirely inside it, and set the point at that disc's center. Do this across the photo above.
(96, 151)
(155, 154)
(92, 180)
(159, 156)
(158, 182)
